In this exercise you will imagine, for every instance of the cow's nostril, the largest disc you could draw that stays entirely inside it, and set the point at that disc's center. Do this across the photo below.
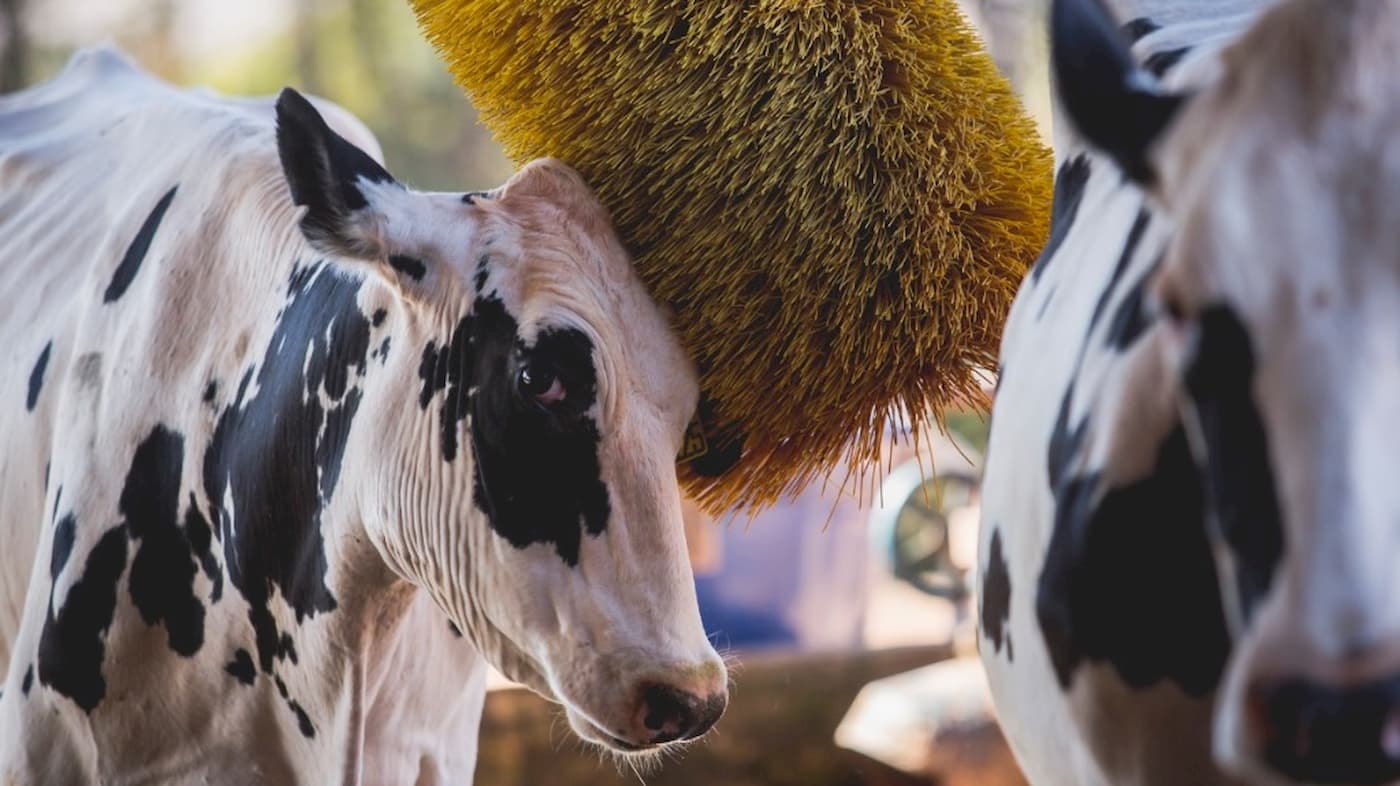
(666, 706)
(672, 714)
(1329, 733)
(667, 712)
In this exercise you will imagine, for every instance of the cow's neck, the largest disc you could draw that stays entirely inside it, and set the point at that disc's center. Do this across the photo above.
(337, 633)
(423, 680)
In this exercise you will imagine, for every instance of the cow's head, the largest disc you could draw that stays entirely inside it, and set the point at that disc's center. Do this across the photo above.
(1280, 303)
(526, 425)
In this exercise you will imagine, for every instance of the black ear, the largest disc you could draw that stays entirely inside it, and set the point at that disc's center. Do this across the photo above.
(1112, 101)
(323, 170)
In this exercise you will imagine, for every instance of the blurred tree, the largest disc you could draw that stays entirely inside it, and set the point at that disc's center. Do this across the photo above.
(369, 56)
(308, 44)
(1014, 31)
(368, 26)
(163, 53)
(1005, 25)
(14, 46)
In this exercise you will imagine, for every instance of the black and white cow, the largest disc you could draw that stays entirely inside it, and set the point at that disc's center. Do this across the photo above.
(1190, 527)
(291, 452)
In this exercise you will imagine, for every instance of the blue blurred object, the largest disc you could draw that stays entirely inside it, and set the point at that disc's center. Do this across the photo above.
(784, 581)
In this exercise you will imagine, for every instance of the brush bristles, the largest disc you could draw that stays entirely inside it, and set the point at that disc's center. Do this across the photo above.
(839, 198)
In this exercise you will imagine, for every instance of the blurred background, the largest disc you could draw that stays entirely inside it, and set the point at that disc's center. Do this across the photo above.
(363, 54)
(852, 619)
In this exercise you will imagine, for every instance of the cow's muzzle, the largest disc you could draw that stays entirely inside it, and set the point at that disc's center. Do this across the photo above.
(1316, 732)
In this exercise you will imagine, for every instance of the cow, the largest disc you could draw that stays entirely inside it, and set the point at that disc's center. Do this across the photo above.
(292, 452)
(1187, 560)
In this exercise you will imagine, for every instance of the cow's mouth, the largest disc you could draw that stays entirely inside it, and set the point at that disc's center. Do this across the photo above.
(626, 746)
(592, 732)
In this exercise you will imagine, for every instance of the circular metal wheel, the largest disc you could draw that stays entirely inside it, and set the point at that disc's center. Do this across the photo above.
(909, 533)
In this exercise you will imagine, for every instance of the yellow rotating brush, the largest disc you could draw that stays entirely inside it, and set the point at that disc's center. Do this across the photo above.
(838, 198)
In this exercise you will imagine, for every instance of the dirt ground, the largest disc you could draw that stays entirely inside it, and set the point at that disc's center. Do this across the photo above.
(778, 731)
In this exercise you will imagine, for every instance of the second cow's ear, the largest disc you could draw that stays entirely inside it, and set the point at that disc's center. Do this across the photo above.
(1113, 102)
(327, 175)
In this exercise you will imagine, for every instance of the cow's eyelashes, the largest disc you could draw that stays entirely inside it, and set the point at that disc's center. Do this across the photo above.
(540, 382)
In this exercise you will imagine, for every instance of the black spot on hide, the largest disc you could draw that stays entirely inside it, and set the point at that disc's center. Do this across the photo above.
(448, 368)
(200, 535)
(517, 442)
(1130, 320)
(483, 272)
(303, 720)
(136, 252)
(1239, 471)
(1129, 576)
(163, 570)
(412, 267)
(1070, 183)
(1138, 29)
(72, 642)
(287, 647)
(1159, 63)
(241, 667)
(28, 680)
(63, 535)
(275, 457)
(996, 597)
(36, 379)
(1125, 258)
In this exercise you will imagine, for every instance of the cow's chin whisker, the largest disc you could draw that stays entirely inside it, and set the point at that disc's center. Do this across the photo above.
(639, 759)
(641, 762)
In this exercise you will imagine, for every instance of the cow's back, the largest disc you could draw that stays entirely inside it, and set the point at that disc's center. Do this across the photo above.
(151, 274)
(123, 202)
(84, 188)
(69, 186)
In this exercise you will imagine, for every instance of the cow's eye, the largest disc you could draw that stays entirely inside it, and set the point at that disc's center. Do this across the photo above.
(1166, 302)
(542, 384)
(1175, 310)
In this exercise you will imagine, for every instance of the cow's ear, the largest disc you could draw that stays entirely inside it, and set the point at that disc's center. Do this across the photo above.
(1111, 100)
(326, 174)
(545, 178)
